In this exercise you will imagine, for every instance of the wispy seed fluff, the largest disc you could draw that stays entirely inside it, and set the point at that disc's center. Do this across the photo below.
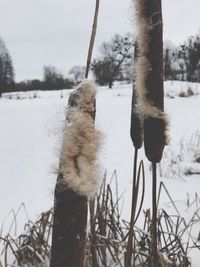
(81, 142)
(149, 77)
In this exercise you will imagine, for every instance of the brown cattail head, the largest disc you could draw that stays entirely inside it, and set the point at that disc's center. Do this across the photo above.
(136, 130)
(155, 137)
(149, 76)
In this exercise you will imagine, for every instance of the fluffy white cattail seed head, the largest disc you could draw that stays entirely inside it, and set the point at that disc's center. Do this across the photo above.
(81, 142)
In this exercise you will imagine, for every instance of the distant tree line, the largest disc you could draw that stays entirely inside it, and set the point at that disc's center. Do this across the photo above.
(52, 80)
(114, 63)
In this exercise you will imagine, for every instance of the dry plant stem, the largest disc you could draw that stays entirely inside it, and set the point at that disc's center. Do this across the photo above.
(133, 209)
(141, 167)
(92, 39)
(154, 216)
(162, 185)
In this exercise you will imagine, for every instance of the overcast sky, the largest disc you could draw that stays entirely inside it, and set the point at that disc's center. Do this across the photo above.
(57, 32)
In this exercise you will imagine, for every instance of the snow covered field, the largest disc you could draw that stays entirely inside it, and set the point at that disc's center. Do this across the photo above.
(30, 139)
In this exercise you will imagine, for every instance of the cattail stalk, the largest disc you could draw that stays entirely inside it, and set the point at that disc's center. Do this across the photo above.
(77, 179)
(78, 174)
(154, 260)
(92, 39)
(149, 77)
(150, 84)
(136, 133)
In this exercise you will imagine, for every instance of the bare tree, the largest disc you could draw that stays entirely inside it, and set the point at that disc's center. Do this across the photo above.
(53, 79)
(6, 69)
(114, 55)
(77, 73)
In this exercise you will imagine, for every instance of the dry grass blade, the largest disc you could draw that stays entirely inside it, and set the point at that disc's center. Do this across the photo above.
(31, 248)
(106, 228)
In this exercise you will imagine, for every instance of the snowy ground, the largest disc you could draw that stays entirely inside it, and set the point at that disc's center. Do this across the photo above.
(31, 134)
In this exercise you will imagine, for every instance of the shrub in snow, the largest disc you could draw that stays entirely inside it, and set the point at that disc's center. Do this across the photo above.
(184, 160)
(190, 92)
(187, 93)
(35, 95)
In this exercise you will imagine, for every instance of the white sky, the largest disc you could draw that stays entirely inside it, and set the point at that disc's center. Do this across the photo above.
(57, 32)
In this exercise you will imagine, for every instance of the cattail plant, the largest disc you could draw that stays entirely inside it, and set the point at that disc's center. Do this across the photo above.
(149, 85)
(149, 77)
(77, 178)
(136, 133)
(78, 172)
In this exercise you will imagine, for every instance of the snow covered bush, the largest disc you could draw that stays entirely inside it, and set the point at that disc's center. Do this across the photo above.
(183, 161)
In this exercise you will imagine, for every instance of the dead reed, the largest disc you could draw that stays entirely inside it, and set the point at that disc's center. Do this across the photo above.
(108, 235)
